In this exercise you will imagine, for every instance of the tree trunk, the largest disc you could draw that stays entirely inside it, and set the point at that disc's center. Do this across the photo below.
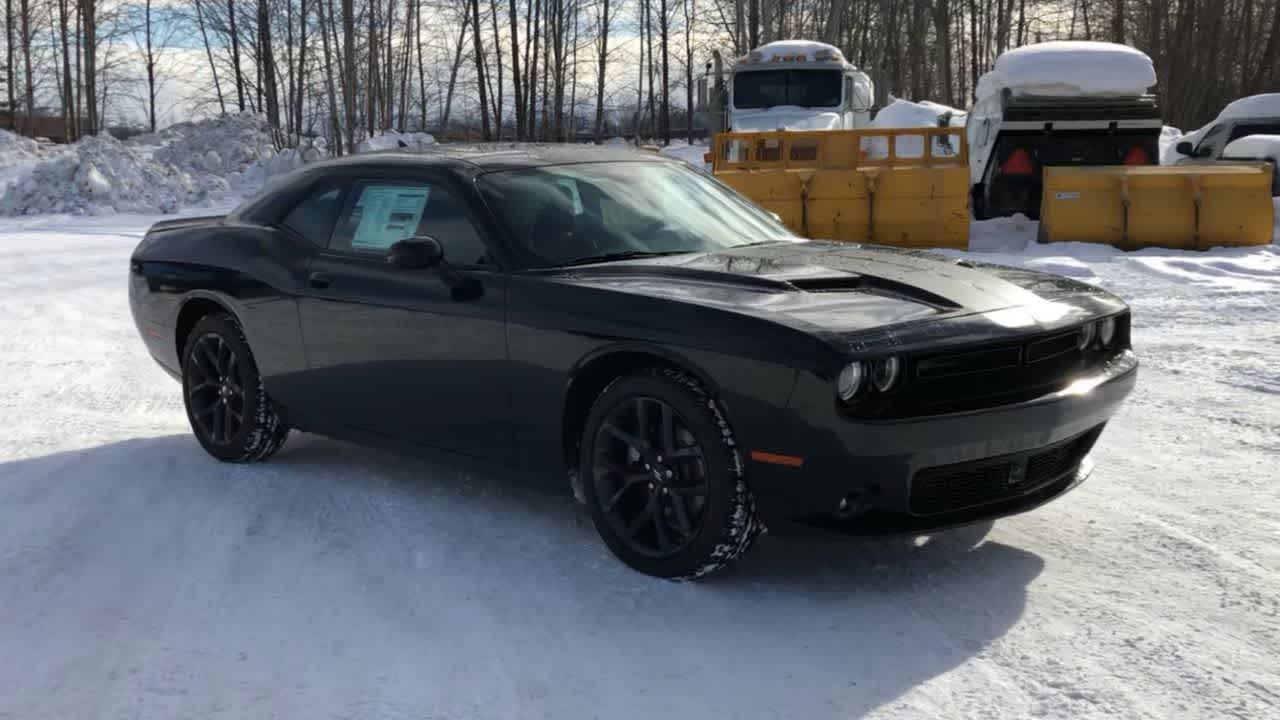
(663, 28)
(68, 94)
(326, 24)
(349, 69)
(453, 76)
(208, 51)
(478, 44)
(515, 68)
(11, 80)
(268, 62)
(88, 14)
(28, 71)
(602, 60)
(235, 52)
(151, 68)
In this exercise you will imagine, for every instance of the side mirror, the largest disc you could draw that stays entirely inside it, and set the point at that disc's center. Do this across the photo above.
(1184, 148)
(424, 251)
(416, 253)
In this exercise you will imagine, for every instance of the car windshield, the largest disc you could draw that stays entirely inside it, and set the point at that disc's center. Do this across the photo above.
(803, 88)
(566, 214)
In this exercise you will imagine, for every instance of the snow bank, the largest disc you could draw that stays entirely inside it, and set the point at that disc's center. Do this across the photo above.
(904, 113)
(99, 175)
(907, 114)
(1070, 67)
(392, 140)
(224, 147)
(16, 146)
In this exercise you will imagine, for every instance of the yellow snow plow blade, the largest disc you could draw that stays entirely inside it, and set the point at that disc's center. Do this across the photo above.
(1187, 207)
(906, 187)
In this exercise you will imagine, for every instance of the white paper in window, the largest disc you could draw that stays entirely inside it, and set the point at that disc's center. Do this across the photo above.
(387, 214)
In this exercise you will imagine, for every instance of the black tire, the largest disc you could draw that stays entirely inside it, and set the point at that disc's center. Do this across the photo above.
(227, 405)
(712, 529)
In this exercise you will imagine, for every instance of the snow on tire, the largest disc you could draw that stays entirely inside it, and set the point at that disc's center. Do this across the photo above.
(728, 523)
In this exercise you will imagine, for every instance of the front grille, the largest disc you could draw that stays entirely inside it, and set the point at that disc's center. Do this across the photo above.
(948, 488)
(974, 378)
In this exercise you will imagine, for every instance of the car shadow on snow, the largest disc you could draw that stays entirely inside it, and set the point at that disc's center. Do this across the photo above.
(472, 573)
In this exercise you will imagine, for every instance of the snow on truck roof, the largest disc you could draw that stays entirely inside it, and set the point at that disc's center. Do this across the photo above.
(791, 51)
(1254, 106)
(1069, 68)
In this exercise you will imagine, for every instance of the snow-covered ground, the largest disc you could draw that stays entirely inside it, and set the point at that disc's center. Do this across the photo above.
(139, 578)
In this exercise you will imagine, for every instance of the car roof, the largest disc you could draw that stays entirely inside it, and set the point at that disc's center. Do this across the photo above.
(488, 157)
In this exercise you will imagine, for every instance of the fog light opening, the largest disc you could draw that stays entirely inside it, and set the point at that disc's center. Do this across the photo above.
(852, 505)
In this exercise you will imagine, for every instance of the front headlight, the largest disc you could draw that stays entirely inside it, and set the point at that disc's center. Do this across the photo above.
(1107, 331)
(849, 381)
(884, 373)
(1087, 334)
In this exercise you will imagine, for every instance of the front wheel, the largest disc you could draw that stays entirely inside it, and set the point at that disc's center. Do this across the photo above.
(227, 405)
(663, 478)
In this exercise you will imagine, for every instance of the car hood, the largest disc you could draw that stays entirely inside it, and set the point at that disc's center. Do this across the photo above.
(784, 118)
(842, 288)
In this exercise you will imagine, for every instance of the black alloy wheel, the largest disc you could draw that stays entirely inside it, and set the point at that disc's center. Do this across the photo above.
(227, 404)
(662, 476)
(214, 394)
(651, 474)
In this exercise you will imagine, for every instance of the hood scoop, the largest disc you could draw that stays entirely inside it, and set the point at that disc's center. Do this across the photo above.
(870, 283)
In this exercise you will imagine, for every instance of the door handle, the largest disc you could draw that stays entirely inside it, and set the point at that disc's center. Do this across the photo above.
(320, 280)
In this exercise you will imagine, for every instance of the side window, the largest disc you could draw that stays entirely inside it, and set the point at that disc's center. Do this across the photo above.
(849, 101)
(381, 213)
(314, 216)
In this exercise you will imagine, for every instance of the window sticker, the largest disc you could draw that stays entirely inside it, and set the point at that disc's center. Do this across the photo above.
(387, 214)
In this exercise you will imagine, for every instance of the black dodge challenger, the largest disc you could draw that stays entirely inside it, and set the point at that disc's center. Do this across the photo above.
(695, 370)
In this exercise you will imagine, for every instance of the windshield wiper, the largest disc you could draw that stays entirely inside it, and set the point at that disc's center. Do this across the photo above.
(626, 255)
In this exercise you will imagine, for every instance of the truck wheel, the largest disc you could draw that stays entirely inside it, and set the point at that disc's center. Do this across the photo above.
(227, 405)
(663, 478)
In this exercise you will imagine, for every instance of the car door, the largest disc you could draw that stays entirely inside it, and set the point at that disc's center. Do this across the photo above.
(305, 228)
(396, 351)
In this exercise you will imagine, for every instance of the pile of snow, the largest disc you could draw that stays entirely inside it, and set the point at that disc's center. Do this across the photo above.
(224, 146)
(235, 150)
(16, 146)
(1070, 68)
(907, 114)
(100, 175)
(392, 140)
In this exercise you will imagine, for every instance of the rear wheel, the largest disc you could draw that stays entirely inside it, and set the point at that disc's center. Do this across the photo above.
(663, 478)
(227, 405)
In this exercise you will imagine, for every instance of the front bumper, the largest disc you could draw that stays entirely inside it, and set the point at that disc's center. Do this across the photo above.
(919, 475)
